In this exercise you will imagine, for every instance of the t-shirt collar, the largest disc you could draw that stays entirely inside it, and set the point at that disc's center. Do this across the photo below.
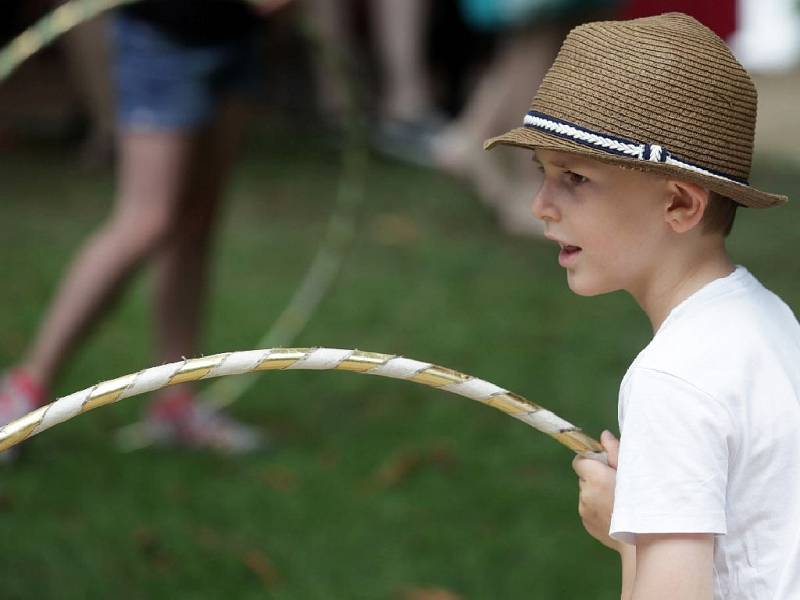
(710, 290)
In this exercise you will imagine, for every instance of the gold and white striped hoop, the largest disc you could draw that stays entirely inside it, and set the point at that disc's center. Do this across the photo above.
(356, 361)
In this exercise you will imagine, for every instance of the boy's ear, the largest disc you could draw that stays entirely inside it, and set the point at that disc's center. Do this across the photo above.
(685, 205)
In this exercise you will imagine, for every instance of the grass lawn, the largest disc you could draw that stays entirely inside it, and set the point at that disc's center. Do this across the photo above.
(373, 487)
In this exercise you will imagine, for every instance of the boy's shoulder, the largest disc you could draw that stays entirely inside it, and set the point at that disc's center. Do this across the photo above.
(724, 335)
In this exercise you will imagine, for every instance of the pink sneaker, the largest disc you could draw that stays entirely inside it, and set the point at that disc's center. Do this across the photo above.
(177, 419)
(19, 395)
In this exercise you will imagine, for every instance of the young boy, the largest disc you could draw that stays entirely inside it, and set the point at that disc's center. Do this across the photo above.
(644, 130)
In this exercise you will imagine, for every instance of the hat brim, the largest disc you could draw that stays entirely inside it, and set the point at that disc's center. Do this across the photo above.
(532, 139)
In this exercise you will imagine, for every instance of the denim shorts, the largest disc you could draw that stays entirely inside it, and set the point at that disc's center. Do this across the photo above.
(164, 84)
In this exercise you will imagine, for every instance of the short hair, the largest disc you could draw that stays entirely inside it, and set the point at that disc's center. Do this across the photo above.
(719, 215)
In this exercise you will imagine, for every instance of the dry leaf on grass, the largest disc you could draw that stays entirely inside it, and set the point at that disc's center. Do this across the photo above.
(254, 559)
(431, 593)
(260, 564)
(394, 229)
(279, 478)
(152, 548)
(399, 467)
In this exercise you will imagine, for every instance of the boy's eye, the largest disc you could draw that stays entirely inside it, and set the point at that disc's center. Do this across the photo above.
(574, 178)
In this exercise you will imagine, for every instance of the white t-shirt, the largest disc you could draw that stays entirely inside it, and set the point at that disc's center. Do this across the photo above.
(709, 415)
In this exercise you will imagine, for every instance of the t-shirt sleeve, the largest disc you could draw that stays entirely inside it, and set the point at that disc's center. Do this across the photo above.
(673, 462)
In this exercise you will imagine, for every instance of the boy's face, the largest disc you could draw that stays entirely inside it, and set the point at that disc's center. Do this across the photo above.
(609, 222)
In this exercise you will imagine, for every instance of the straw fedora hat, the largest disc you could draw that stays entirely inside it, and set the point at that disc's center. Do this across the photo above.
(661, 94)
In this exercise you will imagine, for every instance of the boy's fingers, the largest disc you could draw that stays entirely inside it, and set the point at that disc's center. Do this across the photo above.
(611, 445)
(589, 469)
(586, 467)
(576, 466)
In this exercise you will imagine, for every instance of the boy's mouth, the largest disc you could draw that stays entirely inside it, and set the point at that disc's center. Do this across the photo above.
(568, 254)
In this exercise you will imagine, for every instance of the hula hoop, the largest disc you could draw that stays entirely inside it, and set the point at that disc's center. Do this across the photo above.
(49, 28)
(52, 26)
(355, 361)
(319, 278)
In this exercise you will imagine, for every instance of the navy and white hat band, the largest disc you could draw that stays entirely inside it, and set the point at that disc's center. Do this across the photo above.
(617, 145)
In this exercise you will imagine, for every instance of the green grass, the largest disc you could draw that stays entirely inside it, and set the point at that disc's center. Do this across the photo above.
(476, 502)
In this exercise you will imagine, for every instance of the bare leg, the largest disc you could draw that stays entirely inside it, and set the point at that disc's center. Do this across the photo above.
(181, 286)
(515, 213)
(504, 92)
(150, 168)
(329, 19)
(498, 103)
(183, 260)
(88, 54)
(400, 29)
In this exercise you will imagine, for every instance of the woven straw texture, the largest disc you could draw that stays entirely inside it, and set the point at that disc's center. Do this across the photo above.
(665, 80)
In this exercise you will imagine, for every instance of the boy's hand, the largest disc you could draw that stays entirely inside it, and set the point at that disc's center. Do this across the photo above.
(596, 482)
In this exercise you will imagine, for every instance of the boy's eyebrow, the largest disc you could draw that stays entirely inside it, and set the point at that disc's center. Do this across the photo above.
(556, 163)
(568, 162)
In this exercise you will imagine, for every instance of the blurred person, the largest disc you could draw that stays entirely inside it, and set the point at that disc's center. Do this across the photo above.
(400, 33)
(532, 32)
(406, 108)
(183, 73)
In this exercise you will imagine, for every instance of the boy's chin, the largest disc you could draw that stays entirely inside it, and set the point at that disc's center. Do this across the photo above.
(585, 286)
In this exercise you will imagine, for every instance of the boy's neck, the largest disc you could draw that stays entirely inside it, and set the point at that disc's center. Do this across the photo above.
(677, 279)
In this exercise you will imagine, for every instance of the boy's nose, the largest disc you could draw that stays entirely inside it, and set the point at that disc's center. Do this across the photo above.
(543, 207)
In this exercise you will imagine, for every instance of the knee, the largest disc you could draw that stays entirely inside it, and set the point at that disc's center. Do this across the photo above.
(141, 231)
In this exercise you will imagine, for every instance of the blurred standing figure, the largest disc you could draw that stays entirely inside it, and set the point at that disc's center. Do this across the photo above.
(183, 70)
(398, 30)
(532, 33)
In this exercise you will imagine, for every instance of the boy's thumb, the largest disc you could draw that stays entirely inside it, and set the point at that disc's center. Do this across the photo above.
(611, 445)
